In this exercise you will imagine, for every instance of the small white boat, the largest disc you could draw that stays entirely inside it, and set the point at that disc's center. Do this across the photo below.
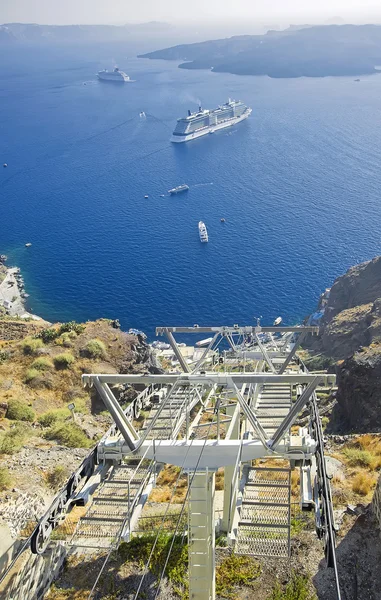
(203, 343)
(28, 245)
(203, 232)
(277, 321)
(142, 114)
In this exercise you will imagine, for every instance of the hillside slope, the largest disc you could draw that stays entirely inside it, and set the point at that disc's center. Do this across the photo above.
(311, 52)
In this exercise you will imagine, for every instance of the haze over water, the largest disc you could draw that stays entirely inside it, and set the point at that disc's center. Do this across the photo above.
(298, 184)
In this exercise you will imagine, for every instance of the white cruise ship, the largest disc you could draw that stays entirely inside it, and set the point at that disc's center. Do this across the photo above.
(202, 230)
(115, 75)
(200, 123)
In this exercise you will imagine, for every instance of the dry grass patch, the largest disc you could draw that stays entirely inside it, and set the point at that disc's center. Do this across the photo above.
(5, 479)
(167, 481)
(363, 483)
(359, 458)
(295, 483)
(42, 364)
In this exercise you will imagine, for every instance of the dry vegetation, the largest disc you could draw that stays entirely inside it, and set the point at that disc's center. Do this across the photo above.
(41, 374)
(362, 459)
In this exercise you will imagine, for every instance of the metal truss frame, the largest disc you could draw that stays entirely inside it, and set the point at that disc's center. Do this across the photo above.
(249, 334)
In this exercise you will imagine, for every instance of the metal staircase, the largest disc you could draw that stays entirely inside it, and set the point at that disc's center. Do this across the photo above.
(112, 505)
(264, 526)
(168, 423)
(273, 405)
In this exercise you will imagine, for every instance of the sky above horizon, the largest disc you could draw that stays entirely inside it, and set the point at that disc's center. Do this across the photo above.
(127, 11)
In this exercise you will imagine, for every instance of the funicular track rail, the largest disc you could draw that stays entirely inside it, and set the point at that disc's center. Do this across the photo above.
(325, 524)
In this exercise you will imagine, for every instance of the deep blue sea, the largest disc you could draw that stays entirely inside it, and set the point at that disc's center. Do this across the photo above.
(299, 184)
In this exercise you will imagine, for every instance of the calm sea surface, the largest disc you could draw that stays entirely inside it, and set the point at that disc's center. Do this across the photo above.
(299, 184)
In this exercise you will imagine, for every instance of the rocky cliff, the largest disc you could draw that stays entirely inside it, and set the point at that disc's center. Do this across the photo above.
(350, 333)
(359, 391)
(351, 311)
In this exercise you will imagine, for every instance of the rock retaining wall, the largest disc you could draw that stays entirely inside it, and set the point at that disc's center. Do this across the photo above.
(32, 575)
(376, 502)
(18, 330)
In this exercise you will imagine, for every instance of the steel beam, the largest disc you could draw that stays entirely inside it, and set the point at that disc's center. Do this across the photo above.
(214, 453)
(204, 354)
(201, 547)
(230, 486)
(125, 427)
(236, 330)
(293, 352)
(177, 352)
(294, 412)
(265, 355)
(210, 377)
(250, 415)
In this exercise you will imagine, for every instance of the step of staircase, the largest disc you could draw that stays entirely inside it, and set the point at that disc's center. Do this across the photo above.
(264, 525)
(111, 504)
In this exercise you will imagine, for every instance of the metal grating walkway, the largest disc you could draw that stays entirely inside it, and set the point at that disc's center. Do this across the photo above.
(172, 416)
(273, 406)
(264, 526)
(112, 504)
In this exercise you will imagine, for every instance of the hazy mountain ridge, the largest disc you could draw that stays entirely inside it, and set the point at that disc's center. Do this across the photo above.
(34, 33)
(312, 52)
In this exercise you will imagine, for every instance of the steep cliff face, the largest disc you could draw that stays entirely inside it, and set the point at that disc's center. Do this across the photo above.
(359, 392)
(350, 332)
(360, 285)
(351, 312)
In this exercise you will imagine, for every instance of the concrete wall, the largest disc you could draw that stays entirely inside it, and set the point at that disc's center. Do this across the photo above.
(32, 575)
(376, 502)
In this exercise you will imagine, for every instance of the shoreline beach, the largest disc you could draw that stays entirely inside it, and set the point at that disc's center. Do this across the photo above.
(12, 293)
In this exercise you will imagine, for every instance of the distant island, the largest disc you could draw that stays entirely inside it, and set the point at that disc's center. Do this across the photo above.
(327, 50)
(33, 33)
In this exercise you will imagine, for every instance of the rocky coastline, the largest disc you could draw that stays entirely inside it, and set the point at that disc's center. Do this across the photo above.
(13, 295)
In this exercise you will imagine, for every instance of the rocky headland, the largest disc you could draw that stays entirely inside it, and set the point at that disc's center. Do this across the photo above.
(320, 51)
(349, 315)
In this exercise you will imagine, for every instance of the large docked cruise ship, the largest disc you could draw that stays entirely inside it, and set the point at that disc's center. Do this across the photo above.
(115, 75)
(200, 123)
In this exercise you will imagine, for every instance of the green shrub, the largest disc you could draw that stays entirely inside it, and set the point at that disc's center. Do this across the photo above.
(48, 335)
(51, 333)
(64, 360)
(52, 417)
(296, 589)
(57, 476)
(3, 356)
(68, 434)
(5, 479)
(78, 328)
(359, 458)
(319, 362)
(14, 439)
(42, 364)
(31, 345)
(234, 571)
(139, 549)
(31, 374)
(66, 339)
(19, 411)
(95, 348)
